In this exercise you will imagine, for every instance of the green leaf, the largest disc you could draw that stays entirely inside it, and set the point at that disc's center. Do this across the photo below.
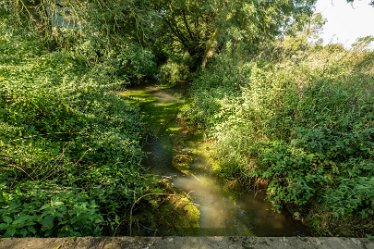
(47, 223)
(31, 229)
(7, 219)
(3, 226)
(10, 232)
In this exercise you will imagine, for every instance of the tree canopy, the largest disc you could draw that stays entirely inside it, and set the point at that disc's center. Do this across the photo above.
(168, 27)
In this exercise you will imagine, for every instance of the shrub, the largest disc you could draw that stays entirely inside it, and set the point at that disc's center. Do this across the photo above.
(70, 149)
(305, 124)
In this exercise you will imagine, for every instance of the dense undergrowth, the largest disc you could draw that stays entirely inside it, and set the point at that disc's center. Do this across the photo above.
(300, 123)
(289, 116)
(70, 150)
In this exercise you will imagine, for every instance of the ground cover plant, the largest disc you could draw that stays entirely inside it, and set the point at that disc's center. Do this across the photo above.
(70, 150)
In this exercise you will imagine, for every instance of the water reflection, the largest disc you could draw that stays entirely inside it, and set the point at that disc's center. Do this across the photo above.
(234, 214)
(222, 212)
(218, 213)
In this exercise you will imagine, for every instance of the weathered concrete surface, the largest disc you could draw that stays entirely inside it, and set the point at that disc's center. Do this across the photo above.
(188, 243)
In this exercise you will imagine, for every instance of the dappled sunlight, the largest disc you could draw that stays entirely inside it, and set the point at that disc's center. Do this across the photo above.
(164, 97)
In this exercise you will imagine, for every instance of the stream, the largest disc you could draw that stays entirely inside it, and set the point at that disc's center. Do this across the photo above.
(186, 164)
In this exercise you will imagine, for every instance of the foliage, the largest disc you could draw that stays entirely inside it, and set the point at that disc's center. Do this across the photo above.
(110, 33)
(199, 28)
(136, 37)
(304, 124)
(297, 116)
(70, 149)
(31, 211)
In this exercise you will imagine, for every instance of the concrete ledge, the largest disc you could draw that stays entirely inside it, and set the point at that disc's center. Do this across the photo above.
(187, 243)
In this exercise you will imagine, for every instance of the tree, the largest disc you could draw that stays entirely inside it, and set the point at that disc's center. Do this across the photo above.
(192, 27)
(195, 26)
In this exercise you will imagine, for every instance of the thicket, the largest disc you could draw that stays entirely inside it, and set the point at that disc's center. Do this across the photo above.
(70, 149)
(295, 116)
(299, 120)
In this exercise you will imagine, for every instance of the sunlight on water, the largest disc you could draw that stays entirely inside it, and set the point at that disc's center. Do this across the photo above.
(233, 214)
(223, 212)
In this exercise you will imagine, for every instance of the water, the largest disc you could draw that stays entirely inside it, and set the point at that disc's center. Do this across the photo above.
(223, 211)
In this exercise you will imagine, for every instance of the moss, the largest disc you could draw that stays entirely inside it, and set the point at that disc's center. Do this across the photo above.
(176, 214)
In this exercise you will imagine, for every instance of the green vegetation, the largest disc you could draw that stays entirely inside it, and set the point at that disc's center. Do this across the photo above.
(175, 213)
(304, 124)
(295, 116)
(70, 150)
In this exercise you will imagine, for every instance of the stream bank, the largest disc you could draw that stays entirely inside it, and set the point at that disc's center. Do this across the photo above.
(199, 203)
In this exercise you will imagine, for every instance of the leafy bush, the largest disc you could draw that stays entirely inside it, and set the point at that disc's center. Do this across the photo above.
(44, 209)
(70, 149)
(220, 84)
(305, 125)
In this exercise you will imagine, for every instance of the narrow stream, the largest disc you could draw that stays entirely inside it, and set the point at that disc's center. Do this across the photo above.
(223, 211)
